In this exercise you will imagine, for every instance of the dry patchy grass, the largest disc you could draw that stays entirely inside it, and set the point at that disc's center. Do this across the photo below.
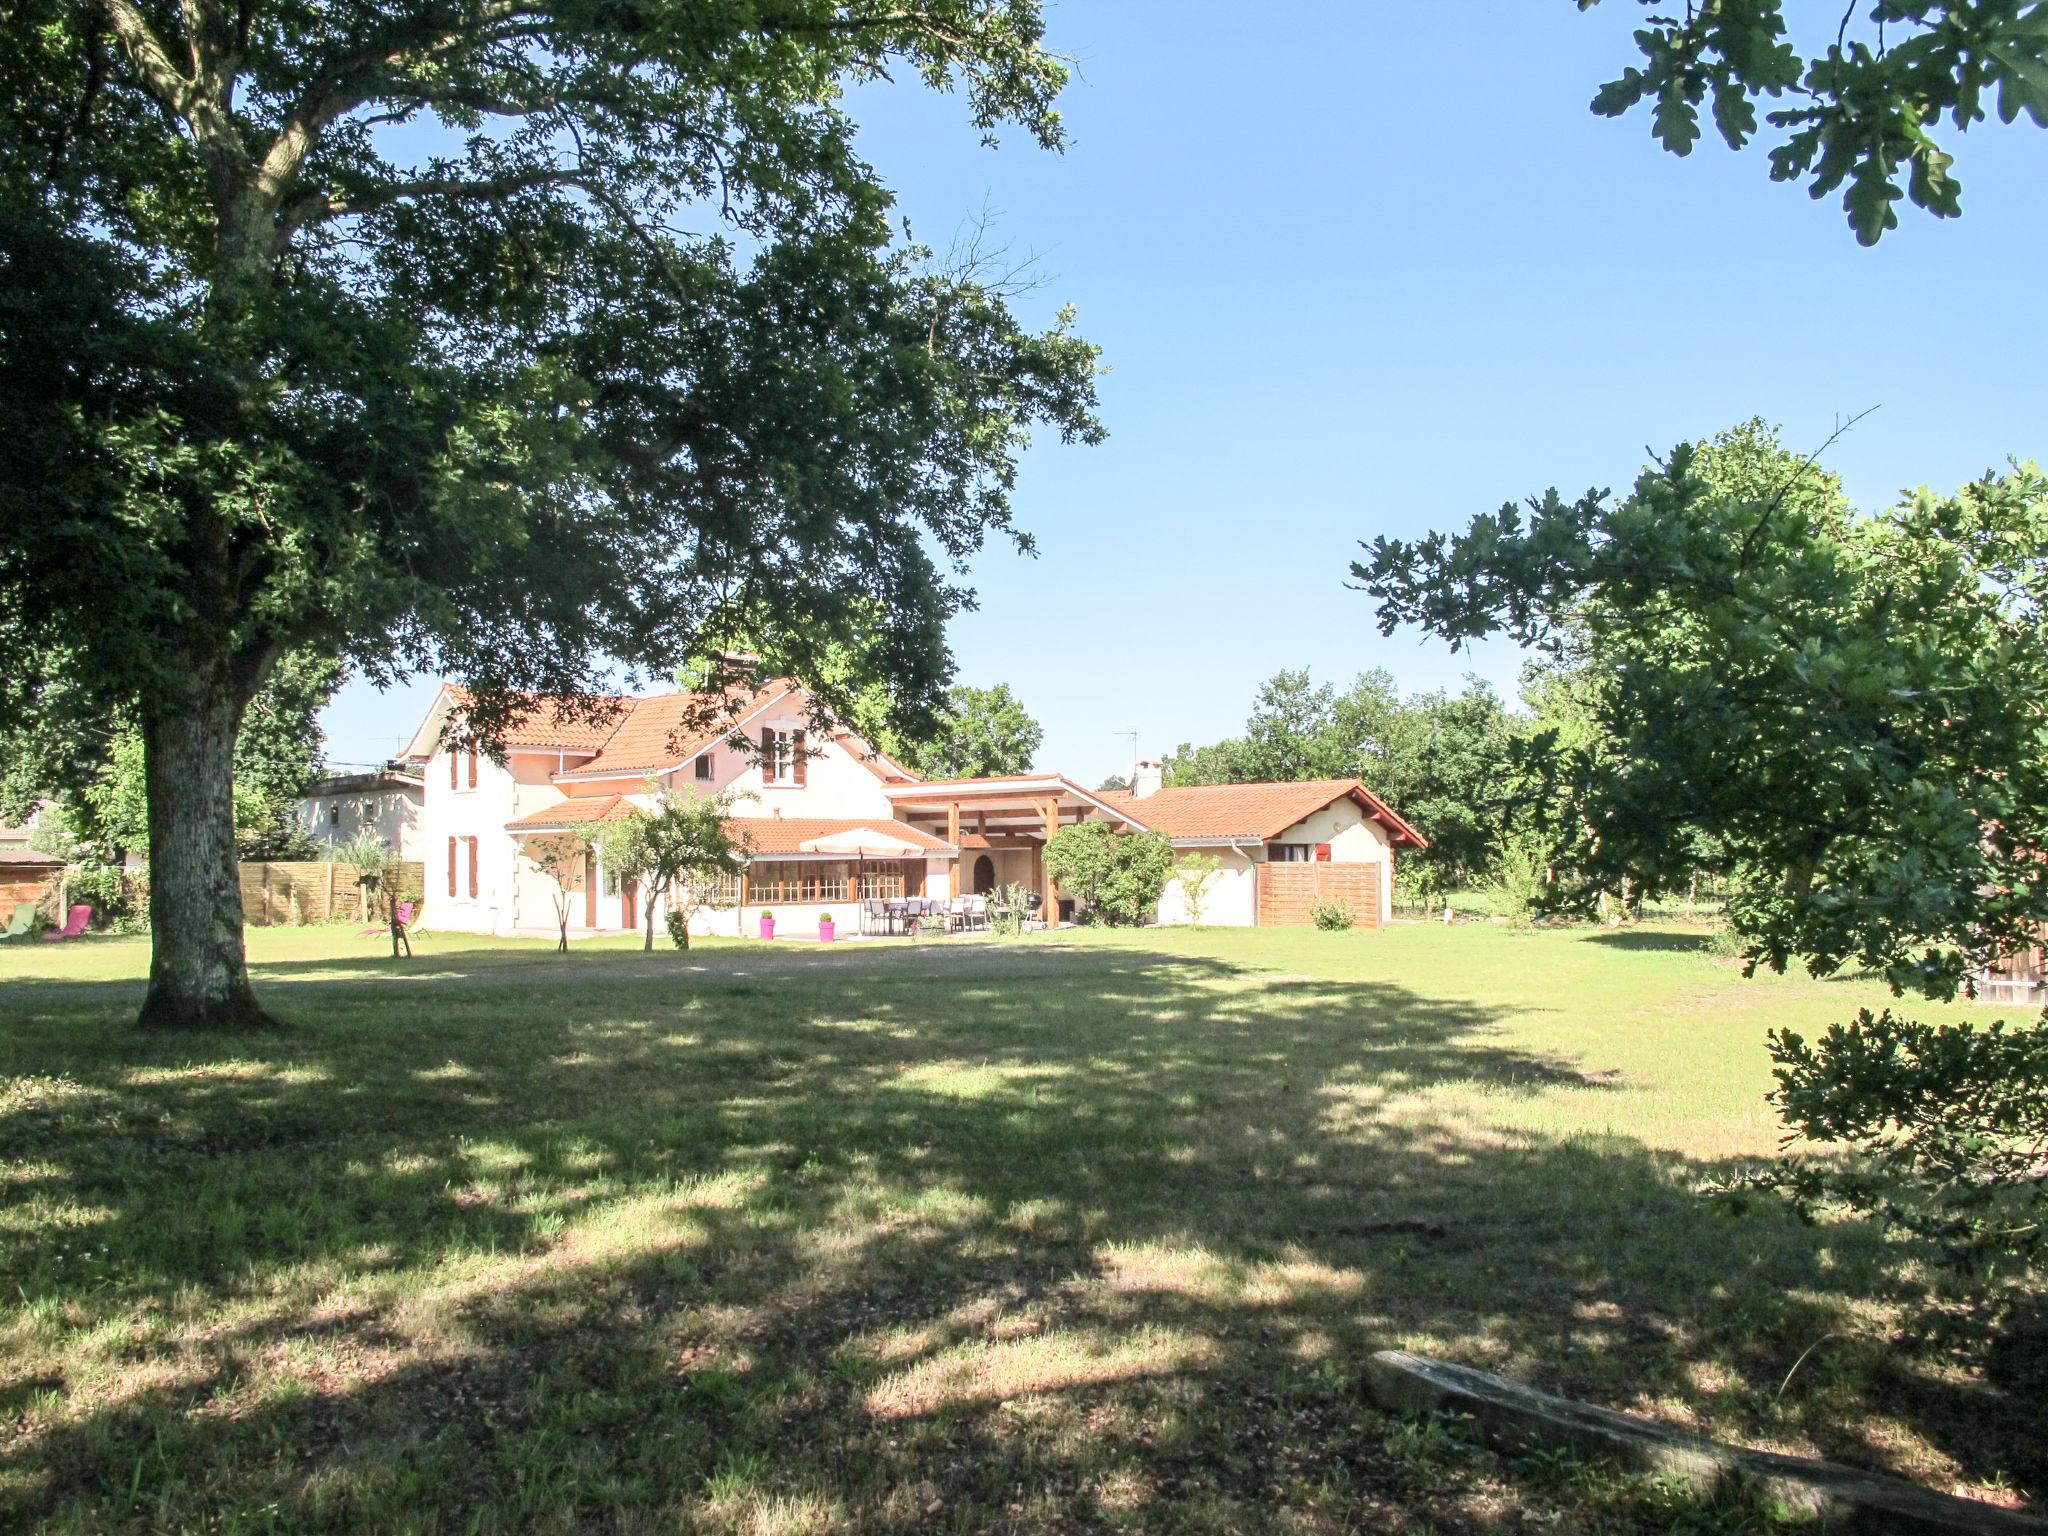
(1089, 1232)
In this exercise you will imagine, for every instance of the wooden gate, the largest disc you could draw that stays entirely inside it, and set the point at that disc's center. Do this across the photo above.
(1288, 891)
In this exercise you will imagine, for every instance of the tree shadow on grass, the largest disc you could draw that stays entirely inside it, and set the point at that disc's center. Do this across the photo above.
(1659, 941)
(1034, 1238)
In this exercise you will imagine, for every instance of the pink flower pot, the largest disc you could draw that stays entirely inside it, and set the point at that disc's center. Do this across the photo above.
(767, 927)
(825, 930)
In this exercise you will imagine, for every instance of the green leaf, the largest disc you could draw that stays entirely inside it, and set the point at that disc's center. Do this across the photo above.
(1734, 113)
(1677, 125)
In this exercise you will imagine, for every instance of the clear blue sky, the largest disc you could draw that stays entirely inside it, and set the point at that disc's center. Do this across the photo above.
(1373, 268)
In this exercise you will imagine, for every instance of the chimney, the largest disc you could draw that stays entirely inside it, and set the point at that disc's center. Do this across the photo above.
(1146, 778)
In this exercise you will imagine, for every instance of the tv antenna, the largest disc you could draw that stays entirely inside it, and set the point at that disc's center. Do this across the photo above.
(1132, 738)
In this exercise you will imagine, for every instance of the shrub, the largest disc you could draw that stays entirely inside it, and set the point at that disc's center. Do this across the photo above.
(1950, 1121)
(105, 886)
(1197, 875)
(1330, 916)
(1006, 909)
(1116, 877)
(1517, 881)
(678, 928)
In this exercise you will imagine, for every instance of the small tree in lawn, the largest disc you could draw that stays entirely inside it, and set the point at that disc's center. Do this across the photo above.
(682, 839)
(1117, 877)
(691, 856)
(376, 864)
(560, 858)
(1197, 877)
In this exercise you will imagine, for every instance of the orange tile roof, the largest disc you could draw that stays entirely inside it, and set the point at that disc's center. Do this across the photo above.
(672, 728)
(1250, 811)
(583, 812)
(758, 834)
(788, 834)
(555, 722)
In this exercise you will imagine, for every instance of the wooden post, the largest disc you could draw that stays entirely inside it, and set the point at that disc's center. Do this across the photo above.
(327, 914)
(1051, 812)
(953, 823)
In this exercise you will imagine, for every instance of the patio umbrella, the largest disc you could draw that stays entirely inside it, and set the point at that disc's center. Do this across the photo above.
(861, 844)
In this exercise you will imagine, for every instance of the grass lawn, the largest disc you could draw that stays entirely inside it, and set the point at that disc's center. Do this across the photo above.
(1083, 1232)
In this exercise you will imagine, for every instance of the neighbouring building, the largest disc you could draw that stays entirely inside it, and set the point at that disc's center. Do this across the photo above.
(25, 875)
(389, 805)
(829, 820)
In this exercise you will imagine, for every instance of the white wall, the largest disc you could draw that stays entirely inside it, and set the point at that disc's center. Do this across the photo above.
(836, 783)
(462, 812)
(1232, 898)
(392, 816)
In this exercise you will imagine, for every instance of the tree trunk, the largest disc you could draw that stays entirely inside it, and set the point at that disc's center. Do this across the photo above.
(198, 974)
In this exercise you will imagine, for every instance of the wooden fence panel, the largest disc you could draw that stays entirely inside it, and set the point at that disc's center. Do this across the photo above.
(275, 894)
(1288, 891)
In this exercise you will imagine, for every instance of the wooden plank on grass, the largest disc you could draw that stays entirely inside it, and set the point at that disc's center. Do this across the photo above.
(1518, 1419)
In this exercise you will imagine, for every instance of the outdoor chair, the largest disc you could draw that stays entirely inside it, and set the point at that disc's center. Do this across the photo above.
(974, 911)
(22, 923)
(874, 916)
(406, 909)
(73, 925)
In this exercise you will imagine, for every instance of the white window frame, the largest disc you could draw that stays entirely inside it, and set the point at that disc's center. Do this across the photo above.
(780, 772)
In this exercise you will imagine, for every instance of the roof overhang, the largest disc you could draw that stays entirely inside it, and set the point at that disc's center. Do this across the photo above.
(1024, 793)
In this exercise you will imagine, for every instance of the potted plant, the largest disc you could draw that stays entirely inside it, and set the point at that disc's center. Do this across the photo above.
(825, 928)
(767, 925)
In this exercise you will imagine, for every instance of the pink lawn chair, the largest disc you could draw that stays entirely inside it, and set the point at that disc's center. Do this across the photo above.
(73, 926)
(405, 912)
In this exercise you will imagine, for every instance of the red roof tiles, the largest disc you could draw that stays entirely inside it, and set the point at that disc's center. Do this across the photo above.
(559, 722)
(769, 835)
(583, 812)
(1254, 812)
(672, 728)
(788, 834)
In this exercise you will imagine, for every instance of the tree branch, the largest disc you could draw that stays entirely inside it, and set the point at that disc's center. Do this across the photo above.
(145, 51)
(317, 207)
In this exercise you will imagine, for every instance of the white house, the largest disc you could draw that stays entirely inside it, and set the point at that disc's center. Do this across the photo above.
(389, 805)
(829, 821)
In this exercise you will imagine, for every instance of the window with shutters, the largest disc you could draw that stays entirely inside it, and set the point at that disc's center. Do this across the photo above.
(779, 762)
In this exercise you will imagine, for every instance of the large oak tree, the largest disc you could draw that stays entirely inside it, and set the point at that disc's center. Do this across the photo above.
(506, 338)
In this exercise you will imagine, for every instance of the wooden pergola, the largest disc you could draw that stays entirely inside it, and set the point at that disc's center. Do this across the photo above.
(1020, 812)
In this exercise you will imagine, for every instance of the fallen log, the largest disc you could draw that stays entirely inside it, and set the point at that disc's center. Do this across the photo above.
(1517, 1420)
